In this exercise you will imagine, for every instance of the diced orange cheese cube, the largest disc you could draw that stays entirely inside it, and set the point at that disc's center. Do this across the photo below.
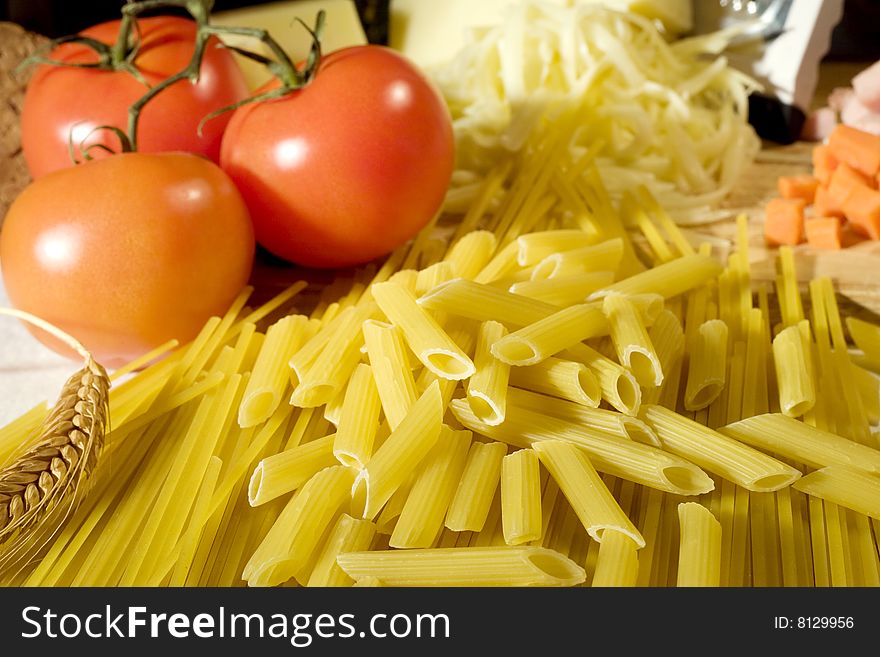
(799, 186)
(857, 148)
(784, 221)
(824, 163)
(824, 206)
(843, 182)
(824, 232)
(862, 209)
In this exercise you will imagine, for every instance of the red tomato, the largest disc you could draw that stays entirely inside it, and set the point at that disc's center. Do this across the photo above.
(347, 168)
(60, 100)
(127, 252)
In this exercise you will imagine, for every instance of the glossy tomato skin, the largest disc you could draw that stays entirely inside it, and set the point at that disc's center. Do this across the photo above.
(347, 168)
(127, 252)
(62, 100)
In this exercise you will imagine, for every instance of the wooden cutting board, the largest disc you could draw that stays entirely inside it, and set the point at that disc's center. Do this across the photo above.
(855, 270)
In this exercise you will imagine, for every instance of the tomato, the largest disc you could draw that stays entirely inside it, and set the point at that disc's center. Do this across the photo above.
(62, 100)
(127, 252)
(347, 168)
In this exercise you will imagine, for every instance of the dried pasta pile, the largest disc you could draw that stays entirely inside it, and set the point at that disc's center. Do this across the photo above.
(523, 396)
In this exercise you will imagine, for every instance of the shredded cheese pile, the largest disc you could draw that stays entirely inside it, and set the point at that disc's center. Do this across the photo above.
(669, 116)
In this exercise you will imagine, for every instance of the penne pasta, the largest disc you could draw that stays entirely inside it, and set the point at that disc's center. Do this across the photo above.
(472, 566)
(634, 348)
(867, 338)
(348, 535)
(588, 495)
(802, 443)
(599, 419)
(270, 375)
(421, 519)
(359, 419)
(560, 378)
(717, 453)
(699, 555)
(332, 367)
(487, 388)
(476, 488)
(534, 247)
(484, 302)
(668, 279)
(605, 256)
(391, 369)
(290, 547)
(619, 386)
(610, 454)
(707, 365)
(617, 563)
(547, 337)
(521, 497)
(845, 486)
(869, 390)
(427, 340)
(399, 455)
(472, 252)
(288, 470)
(794, 370)
(563, 290)
(433, 275)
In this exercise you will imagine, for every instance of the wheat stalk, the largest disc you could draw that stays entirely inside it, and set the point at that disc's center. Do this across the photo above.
(41, 486)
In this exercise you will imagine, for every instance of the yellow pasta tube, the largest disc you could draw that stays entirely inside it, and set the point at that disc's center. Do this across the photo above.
(399, 455)
(484, 302)
(487, 388)
(642, 464)
(547, 337)
(471, 566)
(845, 486)
(476, 487)
(668, 279)
(428, 341)
(288, 470)
(867, 338)
(564, 290)
(699, 555)
(472, 252)
(707, 366)
(794, 371)
(521, 497)
(270, 375)
(421, 519)
(600, 419)
(605, 256)
(802, 443)
(534, 247)
(359, 420)
(348, 535)
(619, 386)
(869, 390)
(584, 489)
(391, 369)
(617, 564)
(565, 379)
(433, 275)
(290, 547)
(333, 366)
(369, 582)
(717, 453)
(631, 340)
(321, 332)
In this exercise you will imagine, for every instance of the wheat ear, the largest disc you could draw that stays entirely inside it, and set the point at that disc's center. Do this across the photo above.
(41, 486)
